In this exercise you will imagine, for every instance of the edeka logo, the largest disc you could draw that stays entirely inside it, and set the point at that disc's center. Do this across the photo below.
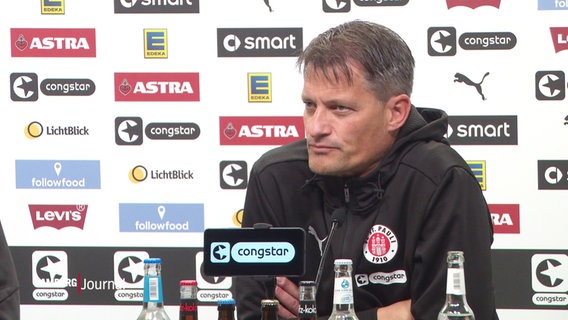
(380, 3)
(156, 6)
(478, 169)
(336, 5)
(52, 6)
(58, 174)
(58, 216)
(552, 4)
(442, 41)
(170, 217)
(129, 131)
(482, 130)
(259, 42)
(155, 43)
(473, 4)
(259, 87)
(550, 85)
(233, 174)
(182, 86)
(139, 173)
(559, 38)
(50, 275)
(24, 87)
(550, 279)
(73, 43)
(552, 174)
(505, 217)
(260, 130)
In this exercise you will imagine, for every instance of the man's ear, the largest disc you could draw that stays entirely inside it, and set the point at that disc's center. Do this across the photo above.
(398, 110)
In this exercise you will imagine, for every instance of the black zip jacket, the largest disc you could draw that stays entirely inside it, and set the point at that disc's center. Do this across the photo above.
(9, 287)
(421, 202)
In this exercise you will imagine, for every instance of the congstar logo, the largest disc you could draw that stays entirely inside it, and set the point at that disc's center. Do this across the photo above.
(380, 3)
(259, 42)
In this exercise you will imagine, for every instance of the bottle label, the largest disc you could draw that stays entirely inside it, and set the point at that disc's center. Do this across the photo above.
(307, 308)
(188, 306)
(343, 291)
(456, 282)
(153, 289)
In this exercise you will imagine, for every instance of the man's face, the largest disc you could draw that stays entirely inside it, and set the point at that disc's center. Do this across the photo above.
(346, 125)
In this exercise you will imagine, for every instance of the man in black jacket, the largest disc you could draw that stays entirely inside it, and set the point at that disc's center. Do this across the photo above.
(409, 197)
(9, 288)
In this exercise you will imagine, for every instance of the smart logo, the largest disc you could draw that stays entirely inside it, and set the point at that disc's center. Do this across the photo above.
(552, 174)
(58, 174)
(252, 252)
(260, 130)
(482, 130)
(336, 5)
(233, 174)
(171, 217)
(550, 85)
(156, 6)
(550, 279)
(24, 87)
(183, 86)
(552, 5)
(380, 3)
(478, 169)
(73, 43)
(58, 216)
(473, 4)
(50, 275)
(259, 42)
(442, 41)
(52, 6)
(259, 87)
(155, 43)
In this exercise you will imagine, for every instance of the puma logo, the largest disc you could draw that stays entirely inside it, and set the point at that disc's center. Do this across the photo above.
(458, 77)
(267, 3)
(313, 232)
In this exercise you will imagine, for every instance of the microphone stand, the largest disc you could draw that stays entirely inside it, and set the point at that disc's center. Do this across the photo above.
(337, 218)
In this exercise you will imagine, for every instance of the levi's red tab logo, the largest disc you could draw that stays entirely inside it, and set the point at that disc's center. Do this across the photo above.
(58, 216)
(260, 130)
(505, 217)
(559, 38)
(182, 86)
(473, 3)
(29, 42)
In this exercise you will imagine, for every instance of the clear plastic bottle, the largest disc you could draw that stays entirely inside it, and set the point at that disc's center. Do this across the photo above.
(188, 300)
(307, 309)
(456, 307)
(343, 303)
(153, 305)
(226, 309)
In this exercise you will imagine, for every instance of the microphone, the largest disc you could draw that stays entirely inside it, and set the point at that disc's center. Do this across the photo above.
(337, 218)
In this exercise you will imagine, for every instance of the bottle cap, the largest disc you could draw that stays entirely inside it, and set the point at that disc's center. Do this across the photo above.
(225, 301)
(153, 260)
(188, 282)
(269, 303)
(307, 283)
(343, 262)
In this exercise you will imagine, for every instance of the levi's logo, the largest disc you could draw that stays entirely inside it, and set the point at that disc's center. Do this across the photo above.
(58, 216)
(473, 3)
(30, 42)
(559, 38)
(260, 130)
(182, 86)
(505, 217)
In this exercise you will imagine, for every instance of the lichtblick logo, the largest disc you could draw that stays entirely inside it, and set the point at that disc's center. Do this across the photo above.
(259, 42)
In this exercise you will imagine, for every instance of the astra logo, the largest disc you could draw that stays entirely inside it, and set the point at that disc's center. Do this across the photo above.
(58, 216)
(553, 174)
(259, 87)
(260, 130)
(139, 173)
(53, 43)
(155, 43)
(552, 5)
(233, 174)
(559, 38)
(156, 86)
(24, 87)
(478, 169)
(380, 3)
(156, 6)
(35, 130)
(129, 270)
(259, 42)
(482, 130)
(473, 3)
(549, 279)
(171, 217)
(50, 275)
(550, 85)
(58, 174)
(52, 6)
(336, 5)
(505, 217)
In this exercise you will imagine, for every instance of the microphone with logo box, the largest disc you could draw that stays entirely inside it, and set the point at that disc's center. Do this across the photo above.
(337, 218)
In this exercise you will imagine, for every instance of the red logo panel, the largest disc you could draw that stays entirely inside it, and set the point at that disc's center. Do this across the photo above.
(260, 130)
(156, 86)
(505, 217)
(58, 216)
(29, 42)
(559, 38)
(473, 3)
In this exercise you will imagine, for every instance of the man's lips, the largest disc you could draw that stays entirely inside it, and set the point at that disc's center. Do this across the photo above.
(319, 148)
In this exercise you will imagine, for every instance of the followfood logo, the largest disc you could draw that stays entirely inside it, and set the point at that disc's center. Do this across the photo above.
(559, 38)
(156, 6)
(260, 130)
(139, 173)
(170, 217)
(50, 275)
(183, 86)
(52, 6)
(58, 174)
(478, 169)
(553, 174)
(233, 174)
(336, 5)
(550, 85)
(473, 4)
(482, 130)
(380, 3)
(252, 252)
(35, 130)
(29, 42)
(505, 217)
(58, 216)
(259, 87)
(155, 43)
(552, 5)
(259, 42)
(550, 279)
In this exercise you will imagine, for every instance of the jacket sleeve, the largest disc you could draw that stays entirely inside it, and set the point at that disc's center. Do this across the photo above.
(9, 288)
(456, 218)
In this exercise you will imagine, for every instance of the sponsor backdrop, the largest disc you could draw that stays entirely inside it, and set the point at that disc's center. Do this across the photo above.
(130, 126)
